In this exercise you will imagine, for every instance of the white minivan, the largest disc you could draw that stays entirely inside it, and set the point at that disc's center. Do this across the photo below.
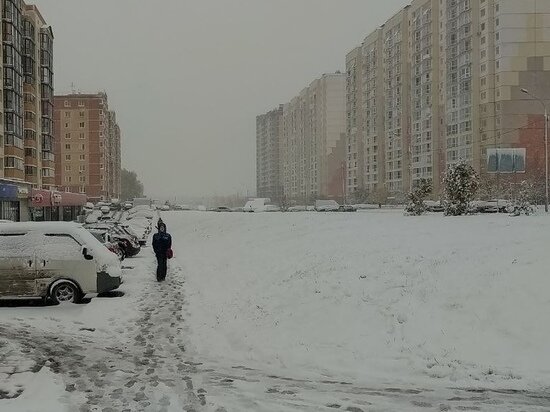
(60, 261)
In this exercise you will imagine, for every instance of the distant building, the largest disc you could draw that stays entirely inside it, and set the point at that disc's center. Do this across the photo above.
(441, 82)
(87, 146)
(313, 141)
(268, 138)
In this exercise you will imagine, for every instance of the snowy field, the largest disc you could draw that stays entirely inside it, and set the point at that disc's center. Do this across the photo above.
(367, 311)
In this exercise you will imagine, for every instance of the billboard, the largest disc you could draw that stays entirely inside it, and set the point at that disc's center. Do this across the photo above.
(506, 160)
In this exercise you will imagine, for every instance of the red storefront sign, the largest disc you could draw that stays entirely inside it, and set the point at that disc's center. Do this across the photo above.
(46, 198)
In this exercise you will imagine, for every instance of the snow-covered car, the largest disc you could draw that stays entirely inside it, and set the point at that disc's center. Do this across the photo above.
(221, 209)
(5, 221)
(272, 208)
(482, 206)
(236, 209)
(105, 209)
(255, 205)
(60, 261)
(111, 244)
(164, 208)
(297, 209)
(327, 206)
(434, 206)
(347, 208)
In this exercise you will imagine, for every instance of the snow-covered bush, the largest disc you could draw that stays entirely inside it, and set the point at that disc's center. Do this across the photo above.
(416, 197)
(523, 203)
(461, 183)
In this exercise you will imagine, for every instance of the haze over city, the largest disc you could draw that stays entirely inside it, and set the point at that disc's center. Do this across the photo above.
(187, 78)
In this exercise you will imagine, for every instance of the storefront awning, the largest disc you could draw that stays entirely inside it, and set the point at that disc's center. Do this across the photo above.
(46, 198)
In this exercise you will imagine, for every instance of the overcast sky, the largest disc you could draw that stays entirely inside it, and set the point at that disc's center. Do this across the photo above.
(187, 78)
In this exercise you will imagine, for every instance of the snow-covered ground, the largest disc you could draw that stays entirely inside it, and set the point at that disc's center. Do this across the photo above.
(367, 311)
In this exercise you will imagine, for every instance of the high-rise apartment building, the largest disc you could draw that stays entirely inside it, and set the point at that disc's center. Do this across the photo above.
(440, 82)
(268, 141)
(26, 149)
(313, 141)
(26, 141)
(87, 146)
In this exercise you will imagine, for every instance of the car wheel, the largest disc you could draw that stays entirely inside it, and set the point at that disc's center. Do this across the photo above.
(64, 292)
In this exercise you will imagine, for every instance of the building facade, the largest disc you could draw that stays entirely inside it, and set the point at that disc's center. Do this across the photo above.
(26, 135)
(313, 142)
(87, 140)
(441, 82)
(268, 137)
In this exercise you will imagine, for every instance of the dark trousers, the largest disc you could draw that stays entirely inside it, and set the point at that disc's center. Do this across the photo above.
(162, 267)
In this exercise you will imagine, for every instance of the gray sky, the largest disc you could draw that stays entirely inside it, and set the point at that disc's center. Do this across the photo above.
(187, 78)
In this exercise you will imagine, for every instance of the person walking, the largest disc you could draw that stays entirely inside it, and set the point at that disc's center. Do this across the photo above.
(162, 246)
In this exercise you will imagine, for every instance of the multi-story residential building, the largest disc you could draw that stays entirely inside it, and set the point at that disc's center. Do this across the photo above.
(112, 157)
(26, 149)
(354, 114)
(424, 143)
(374, 114)
(87, 146)
(268, 147)
(313, 141)
(441, 81)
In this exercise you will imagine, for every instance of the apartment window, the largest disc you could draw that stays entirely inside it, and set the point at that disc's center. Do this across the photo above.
(82, 157)
(81, 103)
(67, 135)
(82, 179)
(81, 113)
(67, 147)
(483, 40)
(67, 114)
(67, 168)
(82, 147)
(497, 36)
(82, 189)
(82, 168)
(66, 125)
(483, 12)
(82, 125)
(482, 26)
(101, 166)
(497, 22)
(68, 179)
(66, 103)
(81, 136)
(67, 157)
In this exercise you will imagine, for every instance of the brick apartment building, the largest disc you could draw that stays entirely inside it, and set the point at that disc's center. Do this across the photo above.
(26, 136)
(87, 140)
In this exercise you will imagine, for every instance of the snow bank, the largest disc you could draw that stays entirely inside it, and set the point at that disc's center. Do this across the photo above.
(375, 297)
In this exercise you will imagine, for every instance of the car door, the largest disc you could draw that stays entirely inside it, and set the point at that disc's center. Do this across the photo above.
(60, 257)
(17, 266)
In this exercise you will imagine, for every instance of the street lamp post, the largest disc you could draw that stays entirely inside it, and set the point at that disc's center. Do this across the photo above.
(545, 145)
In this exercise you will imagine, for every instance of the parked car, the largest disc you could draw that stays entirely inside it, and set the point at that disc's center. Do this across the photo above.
(327, 206)
(59, 261)
(434, 206)
(111, 244)
(221, 209)
(297, 209)
(119, 235)
(347, 208)
(255, 205)
(481, 206)
(236, 209)
(272, 208)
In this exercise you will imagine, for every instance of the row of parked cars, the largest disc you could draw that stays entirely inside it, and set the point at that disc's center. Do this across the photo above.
(67, 261)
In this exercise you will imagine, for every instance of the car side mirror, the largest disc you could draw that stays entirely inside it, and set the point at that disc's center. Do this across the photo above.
(85, 253)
